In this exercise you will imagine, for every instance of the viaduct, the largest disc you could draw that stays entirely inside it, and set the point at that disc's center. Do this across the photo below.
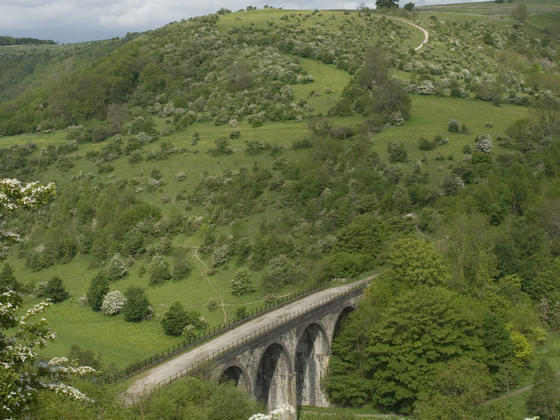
(278, 358)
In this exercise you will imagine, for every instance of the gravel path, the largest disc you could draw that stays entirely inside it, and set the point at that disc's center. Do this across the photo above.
(162, 372)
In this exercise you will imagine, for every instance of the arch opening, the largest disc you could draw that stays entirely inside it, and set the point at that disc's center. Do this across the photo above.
(340, 320)
(312, 353)
(272, 384)
(237, 376)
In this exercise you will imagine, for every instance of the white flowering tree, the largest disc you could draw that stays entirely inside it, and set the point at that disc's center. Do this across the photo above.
(113, 302)
(21, 376)
(16, 195)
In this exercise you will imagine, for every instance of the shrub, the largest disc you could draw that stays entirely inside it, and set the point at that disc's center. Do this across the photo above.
(175, 320)
(137, 306)
(241, 312)
(397, 152)
(159, 271)
(116, 268)
(212, 305)
(98, 288)
(54, 290)
(8, 280)
(113, 303)
(483, 143)
(241, 283)
(181, 270)
(425, 144)
(453, 126)
(301, 144)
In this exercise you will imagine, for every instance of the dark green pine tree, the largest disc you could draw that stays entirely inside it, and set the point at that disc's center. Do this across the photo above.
(8, 280)
(544, 400)
(174, 320)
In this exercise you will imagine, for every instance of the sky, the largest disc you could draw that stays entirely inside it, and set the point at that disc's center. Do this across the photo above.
(67, 21)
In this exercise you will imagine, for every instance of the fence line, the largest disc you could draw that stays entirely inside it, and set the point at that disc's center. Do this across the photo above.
(209, 333)
(254, 335)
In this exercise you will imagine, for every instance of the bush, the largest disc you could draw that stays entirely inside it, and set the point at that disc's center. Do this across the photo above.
(241, 312)
(54, 290)
(113, 302)
(241, 283)
(181, 270)
(483, 143)
(98, 288)
(8, 280)
(160, 271)
(453, 126)
(425, 144)
(175, 320)
(137, 306)
(116, 268)
(397, 152)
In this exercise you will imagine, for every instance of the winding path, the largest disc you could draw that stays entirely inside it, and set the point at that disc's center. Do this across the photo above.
(426, 33)
(160, 374)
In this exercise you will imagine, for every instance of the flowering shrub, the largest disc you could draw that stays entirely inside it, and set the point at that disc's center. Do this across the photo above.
(241, 284)
(483, 143)
(276, 414)
(20, 377)
(113, 302)
(116, 268)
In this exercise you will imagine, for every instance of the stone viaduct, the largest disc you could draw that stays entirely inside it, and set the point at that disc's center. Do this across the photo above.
(278, 358)
(286, 365)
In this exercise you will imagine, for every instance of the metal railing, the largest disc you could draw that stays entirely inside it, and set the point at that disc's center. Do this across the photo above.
(170, 352)
(263, 331)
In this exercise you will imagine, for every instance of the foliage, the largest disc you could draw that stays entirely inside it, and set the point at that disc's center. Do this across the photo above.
(458, 389)
(54, 290)
(98, 288)
(174, 320)
(20, 377)
(241, 284)
(113, 303)
(544, 400)
(137, 307)
(8, 279)
(414, 262)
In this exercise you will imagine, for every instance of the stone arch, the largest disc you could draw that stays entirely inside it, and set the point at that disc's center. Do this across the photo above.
(272, 380)
(238, 375)
(311, 360)
(340, 318)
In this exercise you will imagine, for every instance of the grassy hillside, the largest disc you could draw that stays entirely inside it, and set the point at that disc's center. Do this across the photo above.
(288, 149)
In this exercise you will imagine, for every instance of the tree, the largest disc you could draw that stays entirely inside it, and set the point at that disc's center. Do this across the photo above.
(113, 302)
(15, 196)
(415, 262)
(241, 283)
(386, 4)
(54, 290)
(418, 333)
(409, 6)
(175, 320)
(544, 400)
(137, 307)
(8, 280)
(457, 391)
(20, 335)
(20, 376)
(98, 288)
(376, 67)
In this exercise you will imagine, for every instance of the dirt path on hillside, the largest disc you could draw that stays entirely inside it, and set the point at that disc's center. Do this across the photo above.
(204, 270)
(426, 33)
(161, 373)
